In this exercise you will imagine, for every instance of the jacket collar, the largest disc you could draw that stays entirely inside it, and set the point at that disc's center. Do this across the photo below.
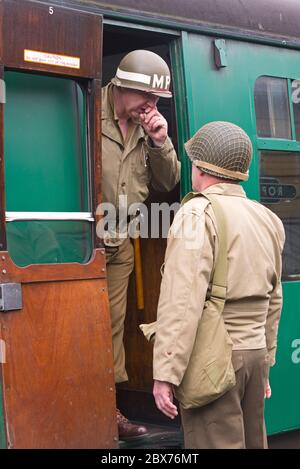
(220, 189)
(225, 189)
(110, 126)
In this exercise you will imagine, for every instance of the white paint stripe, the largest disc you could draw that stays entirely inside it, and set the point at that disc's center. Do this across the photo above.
(2, 351)
(14, 216)
(130, 76)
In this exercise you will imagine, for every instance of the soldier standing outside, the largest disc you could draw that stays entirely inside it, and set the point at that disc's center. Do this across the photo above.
(136, 152)
(220, 153)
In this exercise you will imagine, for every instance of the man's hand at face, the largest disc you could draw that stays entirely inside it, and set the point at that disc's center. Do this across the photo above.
(163, 395)
(155, 126)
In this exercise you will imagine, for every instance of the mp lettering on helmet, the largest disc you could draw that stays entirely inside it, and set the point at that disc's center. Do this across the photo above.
(161, 81)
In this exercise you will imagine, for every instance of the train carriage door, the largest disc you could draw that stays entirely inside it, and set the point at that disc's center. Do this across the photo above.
(57, 388)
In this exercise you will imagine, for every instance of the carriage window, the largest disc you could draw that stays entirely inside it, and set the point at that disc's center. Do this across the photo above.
(272, 108)
(46, 171)
(280, 192)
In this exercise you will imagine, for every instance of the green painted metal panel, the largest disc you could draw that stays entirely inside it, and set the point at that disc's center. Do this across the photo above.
(46, 166)
(228, 94)
(282, 410)
(220, 94)
(180, 86)
(278, 144)
(2, 421)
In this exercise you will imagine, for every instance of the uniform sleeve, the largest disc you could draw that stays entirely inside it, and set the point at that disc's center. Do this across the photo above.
(275, 306)
(188, 265)
(165, 167)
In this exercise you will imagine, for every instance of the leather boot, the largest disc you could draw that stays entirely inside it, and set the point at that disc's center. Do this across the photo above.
(128, 430)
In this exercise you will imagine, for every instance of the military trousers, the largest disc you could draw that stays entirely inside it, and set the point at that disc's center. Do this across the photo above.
(119, 265)
(236, 419)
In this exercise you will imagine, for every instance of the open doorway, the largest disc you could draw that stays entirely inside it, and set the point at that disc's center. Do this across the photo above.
(117, 42)
(135, 396)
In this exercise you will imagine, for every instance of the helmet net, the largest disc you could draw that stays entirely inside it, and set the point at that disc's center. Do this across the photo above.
(222, 145)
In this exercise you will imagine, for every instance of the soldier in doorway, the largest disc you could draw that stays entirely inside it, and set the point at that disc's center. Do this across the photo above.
(136, 152)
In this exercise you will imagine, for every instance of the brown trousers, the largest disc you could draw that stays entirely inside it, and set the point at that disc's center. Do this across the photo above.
(119, 265)
(235, 420)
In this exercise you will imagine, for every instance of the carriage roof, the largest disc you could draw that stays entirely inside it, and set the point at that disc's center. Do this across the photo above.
(265, 18)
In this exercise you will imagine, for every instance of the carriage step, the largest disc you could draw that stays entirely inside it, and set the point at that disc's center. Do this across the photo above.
(158, 437)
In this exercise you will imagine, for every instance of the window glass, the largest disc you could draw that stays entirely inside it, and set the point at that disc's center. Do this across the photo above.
(272, 108)
(280, 191)
(46, 165)
(48, 242)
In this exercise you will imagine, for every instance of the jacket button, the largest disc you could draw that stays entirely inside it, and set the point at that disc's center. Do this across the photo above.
(123, 184)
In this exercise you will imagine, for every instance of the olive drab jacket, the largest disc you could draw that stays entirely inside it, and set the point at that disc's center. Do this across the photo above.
(255, 239)
(129, 167)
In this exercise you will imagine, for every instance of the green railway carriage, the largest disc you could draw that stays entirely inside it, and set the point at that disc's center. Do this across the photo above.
(231, 60)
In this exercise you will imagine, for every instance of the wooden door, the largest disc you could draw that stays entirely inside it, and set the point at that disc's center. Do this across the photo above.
(55, 345)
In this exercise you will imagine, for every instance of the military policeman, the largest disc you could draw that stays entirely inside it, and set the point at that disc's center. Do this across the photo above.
(136, 152)
(221, 154)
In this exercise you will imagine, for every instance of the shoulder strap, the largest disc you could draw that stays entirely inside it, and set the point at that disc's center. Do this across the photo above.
(219, 281)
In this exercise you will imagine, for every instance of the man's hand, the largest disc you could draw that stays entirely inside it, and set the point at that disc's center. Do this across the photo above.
(155, 126)
(268, 391)
(163, 395)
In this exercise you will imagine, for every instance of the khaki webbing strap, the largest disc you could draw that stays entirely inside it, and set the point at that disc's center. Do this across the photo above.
(219, 281)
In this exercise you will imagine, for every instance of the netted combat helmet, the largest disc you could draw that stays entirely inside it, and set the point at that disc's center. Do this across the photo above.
(221, 149)
(145, 71)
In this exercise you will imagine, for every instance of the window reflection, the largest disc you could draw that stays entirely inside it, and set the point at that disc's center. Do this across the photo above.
(280, 192)
(48, 242)
(272, 108)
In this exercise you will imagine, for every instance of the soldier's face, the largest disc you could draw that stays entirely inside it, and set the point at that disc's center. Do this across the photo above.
(137, 102)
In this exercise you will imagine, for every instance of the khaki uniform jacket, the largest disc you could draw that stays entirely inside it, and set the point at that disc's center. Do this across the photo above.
(129, 167)
(254, 295)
